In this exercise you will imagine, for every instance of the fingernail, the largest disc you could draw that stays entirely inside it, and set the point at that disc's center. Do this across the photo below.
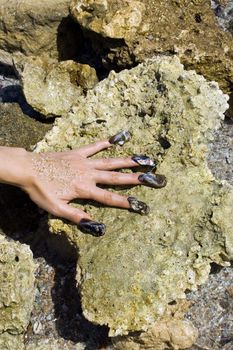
(96, 229)
(143, 160)
(138, 206)
(120, 138)
(153, 180)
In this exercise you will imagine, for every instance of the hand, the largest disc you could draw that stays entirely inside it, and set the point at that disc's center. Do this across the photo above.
(56, 178)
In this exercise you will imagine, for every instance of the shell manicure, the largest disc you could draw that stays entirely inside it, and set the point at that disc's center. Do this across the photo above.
(153, 180)
(94, 228)
(144, 160)
(121, 138)
(138, 206)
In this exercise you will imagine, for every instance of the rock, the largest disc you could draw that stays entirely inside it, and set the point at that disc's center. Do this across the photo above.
(53, 344)
(38, 28)
(127, 32)
(52, 88)
(211, 311)
(171, 330)
(230, 290)
(17, 129)
(11, 342)
(127, 277)
(16, 292)
(178, 334)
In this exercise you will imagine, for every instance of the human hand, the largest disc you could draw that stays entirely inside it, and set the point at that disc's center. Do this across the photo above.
(56, 178)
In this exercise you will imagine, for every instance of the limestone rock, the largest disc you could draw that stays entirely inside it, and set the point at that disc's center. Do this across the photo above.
(171, 330)
(52, 88)
(16, 292)
(127, 277)
(179, 334)
(38, 28)
(11, 342)
(125, 32)
(53, 344)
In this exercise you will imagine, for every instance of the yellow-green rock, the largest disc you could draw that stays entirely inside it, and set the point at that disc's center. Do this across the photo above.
(52, 88)
(127, 277)
(17, 292)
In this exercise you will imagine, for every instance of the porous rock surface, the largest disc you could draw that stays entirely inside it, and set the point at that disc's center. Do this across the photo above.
(16, 292)
(50, 344)
(125, 32)
(127, 277)
(52, 88)
(35, 28)
(171, 329)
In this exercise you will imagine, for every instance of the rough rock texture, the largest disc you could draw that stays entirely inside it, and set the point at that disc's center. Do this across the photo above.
(125, 32)
(52, 88)
(17, 129)
(224, 12)
(172, 330)
(50, 344)
(37, 28)
(16, 292)
(128, 276)
(212, 311)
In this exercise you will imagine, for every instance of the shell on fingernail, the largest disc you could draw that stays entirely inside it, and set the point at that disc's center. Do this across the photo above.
(144, 160)
(153, 180)
(138, 206)
(121, 138)
(94, 228)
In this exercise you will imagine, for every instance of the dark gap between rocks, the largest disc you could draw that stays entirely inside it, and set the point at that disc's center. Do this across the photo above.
(21, 220)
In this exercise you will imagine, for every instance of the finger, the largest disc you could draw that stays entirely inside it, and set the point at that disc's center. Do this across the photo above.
(113, 163)
(118, 139)
(109, 198)
(115, 178)
(82, 219)
(70, 213)
(116, 200)
(118, 163)
(93, 148)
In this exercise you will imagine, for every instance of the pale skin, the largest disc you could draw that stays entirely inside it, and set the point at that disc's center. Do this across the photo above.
(54, 179)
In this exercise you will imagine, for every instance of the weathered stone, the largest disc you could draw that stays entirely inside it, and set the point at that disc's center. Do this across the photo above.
(52, 88)
(170, 331)
(125, 32)
(16, 292)
(179, 334)
(53, 344)
(38, 28)
(11, 342)
(128, 276)
(17, 129)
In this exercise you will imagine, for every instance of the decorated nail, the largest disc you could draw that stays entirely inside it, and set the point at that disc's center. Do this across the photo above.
(96, 229)
(143, 160)
(120, 138)
(153, 180)
(138, 206)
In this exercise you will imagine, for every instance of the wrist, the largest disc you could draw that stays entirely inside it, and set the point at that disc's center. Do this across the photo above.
(15, 166)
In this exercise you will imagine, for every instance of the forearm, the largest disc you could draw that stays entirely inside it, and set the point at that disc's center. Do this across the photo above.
(14, 166)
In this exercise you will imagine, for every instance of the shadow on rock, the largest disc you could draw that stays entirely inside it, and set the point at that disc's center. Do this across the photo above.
(14, 93)
(21, 220)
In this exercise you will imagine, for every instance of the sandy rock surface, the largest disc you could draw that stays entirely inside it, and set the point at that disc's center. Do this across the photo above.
(52, 88)
(126, 32)
(17, 292)
(171, 117)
